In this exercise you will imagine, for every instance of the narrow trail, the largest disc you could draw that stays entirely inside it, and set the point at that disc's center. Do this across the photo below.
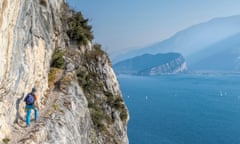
(21, 133)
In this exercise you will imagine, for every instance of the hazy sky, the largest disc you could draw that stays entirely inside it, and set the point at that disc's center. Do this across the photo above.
(126, 24)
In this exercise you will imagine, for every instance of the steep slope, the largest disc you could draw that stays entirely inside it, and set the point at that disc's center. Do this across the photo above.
(79, 94)
(170, 63)
(193, 39)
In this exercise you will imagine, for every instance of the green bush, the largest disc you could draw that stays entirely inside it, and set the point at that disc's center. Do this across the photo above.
(78, 28)
(98, 49)
(124, 115)
(82, 77)
(57, 59)
(43, 2)
(89, 81)
(99, 117)
(93, 55)
(118, 104)
(6, 140)
(110, 97)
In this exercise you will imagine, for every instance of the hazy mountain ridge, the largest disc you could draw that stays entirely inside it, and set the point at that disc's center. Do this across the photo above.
(197, 41)
(221, 56)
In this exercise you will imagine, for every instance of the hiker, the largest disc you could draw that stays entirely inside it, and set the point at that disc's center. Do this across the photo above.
(31, 104)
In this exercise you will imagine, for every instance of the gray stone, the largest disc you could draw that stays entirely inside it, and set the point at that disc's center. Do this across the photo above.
(70, 67)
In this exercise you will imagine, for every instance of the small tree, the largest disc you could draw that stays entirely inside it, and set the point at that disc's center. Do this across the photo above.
(57, 59)
(78, 28)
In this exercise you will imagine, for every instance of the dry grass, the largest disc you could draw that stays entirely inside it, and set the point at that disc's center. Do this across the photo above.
(65, 82)
(54, 76)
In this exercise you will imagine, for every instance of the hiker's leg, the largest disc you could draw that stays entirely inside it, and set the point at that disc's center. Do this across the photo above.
(36, 113)
(28, 116)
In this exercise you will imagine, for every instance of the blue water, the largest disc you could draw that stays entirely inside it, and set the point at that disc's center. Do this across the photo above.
(183, 109)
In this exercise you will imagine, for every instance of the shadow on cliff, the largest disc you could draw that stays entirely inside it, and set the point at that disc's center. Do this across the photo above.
(18, 115)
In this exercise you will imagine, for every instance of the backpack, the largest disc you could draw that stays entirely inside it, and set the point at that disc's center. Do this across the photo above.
(30, 99)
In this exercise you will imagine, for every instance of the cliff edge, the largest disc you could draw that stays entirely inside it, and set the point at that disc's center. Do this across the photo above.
(47, 45)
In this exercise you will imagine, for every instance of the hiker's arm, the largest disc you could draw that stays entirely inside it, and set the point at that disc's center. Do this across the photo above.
(37, 104)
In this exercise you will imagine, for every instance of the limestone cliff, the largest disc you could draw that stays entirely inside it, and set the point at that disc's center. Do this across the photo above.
(174, 66)
(80, 100)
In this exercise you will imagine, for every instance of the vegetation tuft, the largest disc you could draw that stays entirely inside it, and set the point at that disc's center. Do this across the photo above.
(43, 2)
(6, 140)
(78, 28)
(57, 59)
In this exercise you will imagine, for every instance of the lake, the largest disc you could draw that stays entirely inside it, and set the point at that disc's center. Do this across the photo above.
(183, 109)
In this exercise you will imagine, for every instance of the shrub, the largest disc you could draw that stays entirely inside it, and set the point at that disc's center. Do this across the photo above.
(118, 104)
(78, 28)
(99, 117)
(82, 78)
(124, 115)
(98, 50)
(6, 140)
(89, 81)
(57, 59)
(110, 97)
(43, 2)
(95, 53)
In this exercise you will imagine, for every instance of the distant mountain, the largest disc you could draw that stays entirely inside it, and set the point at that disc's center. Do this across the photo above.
(147, 64)
(201, 41)
(221, 56)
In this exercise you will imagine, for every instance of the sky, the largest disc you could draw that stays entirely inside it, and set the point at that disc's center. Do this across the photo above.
(130, 24)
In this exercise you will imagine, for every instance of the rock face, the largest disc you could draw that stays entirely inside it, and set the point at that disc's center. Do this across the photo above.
(30, 31)
(174, 66)
(150, 65)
